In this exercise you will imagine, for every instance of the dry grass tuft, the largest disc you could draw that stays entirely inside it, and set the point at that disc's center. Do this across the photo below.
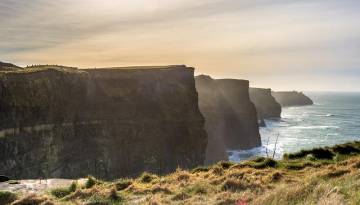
(335, 173)
(32, 200)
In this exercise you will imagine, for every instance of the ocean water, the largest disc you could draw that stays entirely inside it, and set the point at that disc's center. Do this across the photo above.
(334, 118)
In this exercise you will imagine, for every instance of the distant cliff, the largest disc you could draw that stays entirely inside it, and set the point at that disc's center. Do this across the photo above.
(230, 116)
(115, 122)
(292, 98)
(8, 67)
(265, 103)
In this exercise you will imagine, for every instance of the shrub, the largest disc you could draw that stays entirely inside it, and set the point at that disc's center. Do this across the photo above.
(60, 192)
(7, 197)
(310, 157)
(91, 181)
(348, 148)
(268, 162)
(147, 177)
(259, 159)
(318, 153)
(73, 187)
(122, 184)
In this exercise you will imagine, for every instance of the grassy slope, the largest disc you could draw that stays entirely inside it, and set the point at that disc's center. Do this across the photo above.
(319, 176)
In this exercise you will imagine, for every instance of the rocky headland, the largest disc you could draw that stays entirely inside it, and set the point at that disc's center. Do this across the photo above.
(265, 103)
(230, 116)
(292, 98)
(65, 122)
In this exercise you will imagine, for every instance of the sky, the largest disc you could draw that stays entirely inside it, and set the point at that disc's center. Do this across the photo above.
(307, 45)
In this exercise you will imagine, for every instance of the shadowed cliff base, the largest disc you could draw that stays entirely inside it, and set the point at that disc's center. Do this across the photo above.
(58, 121)
(230, 116)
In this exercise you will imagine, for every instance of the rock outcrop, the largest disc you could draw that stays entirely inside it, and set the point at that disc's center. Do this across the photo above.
(265, 103)
(292, 98)
(114, 122)
(230, 116)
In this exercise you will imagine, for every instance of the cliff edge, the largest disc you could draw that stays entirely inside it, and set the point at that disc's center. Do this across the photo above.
(117, 122)
(292, 98)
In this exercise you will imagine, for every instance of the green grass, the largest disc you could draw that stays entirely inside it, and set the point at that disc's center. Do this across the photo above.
(200, 169)
(261, 163)
(62, 192)
(7, 197)
(90, 182)
(147, 177)
(307, 177)
(122, 184)
(326, 153)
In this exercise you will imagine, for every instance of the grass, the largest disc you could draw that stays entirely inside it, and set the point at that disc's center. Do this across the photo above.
(7, 197)
(305, 177)
(62, 192)
(122, 184)
(90, 182)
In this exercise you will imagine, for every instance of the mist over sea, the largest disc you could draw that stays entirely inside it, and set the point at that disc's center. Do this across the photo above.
(334, 118)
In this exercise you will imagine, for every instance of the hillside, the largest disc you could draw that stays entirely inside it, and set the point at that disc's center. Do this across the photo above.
(327, 175)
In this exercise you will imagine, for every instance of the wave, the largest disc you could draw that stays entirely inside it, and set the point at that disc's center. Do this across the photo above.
(323, 127)
(325, 115)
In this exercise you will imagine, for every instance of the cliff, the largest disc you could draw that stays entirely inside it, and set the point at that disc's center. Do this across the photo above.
(8, 67)
(265, 103)
(230, 116)
(115, 122)
(292, 98)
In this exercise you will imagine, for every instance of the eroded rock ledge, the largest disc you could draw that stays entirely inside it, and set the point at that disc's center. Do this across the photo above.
(115, 122)
(231, 120)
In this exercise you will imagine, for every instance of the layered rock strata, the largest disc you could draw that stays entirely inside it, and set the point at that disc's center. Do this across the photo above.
(110, 123)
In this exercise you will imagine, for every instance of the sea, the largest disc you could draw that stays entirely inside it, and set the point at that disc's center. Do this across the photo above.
(334, 118)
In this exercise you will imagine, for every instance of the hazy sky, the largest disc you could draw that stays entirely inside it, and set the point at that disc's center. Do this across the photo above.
(282, 44)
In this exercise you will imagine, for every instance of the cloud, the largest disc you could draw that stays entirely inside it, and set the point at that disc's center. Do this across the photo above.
(225, 38)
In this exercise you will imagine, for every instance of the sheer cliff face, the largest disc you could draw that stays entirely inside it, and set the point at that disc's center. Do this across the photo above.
(265, 103)
(292, 98)
(230, 117)
(104, 122)
(210, 101)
